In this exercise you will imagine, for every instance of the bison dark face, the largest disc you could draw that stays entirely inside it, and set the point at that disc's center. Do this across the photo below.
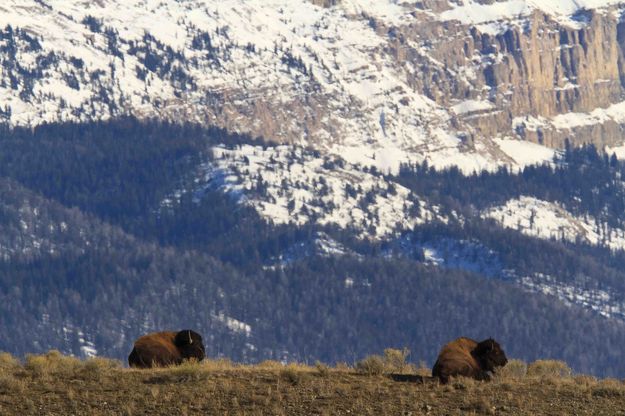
(490, 355)
(190, 345)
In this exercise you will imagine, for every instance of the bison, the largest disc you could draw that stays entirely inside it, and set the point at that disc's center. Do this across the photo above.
(469, 358)
(161, 349)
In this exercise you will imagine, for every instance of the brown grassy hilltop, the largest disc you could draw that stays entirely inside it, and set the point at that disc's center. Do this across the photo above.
(53, 384)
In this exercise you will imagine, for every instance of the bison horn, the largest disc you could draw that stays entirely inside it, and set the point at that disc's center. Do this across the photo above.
(190, 340)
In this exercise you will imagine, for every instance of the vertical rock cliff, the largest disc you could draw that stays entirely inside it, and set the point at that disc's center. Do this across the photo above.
(538, 77)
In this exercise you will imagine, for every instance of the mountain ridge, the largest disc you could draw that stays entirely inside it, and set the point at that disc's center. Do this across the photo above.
(359, 78)
(271, 171)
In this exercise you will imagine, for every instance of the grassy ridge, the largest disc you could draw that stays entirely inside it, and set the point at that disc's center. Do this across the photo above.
(53, 384)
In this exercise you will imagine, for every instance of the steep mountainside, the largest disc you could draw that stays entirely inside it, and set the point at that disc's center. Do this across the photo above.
(377, 82)
(124, 228)
(313, 179)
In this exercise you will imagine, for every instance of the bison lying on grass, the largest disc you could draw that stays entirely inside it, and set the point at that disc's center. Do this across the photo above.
(466, 357)
(161, 349)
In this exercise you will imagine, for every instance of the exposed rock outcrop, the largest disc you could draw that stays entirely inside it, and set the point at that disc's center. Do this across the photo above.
(527, 73)
(325, 3)
(382, 81)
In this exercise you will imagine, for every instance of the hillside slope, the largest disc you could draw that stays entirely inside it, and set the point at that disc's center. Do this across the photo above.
(313, 179)
(96, 387)
(101, 246)
(377, 82)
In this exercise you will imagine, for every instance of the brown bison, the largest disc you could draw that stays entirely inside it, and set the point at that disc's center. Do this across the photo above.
(161, 349)
(465, 357)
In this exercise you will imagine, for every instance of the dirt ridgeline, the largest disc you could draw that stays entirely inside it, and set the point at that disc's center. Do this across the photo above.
(53, 384)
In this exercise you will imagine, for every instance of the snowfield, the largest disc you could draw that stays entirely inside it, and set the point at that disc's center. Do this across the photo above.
(289, 71)
(328, 86)
(292, 185)
(597, 300)
(489, 17)
(548, 220)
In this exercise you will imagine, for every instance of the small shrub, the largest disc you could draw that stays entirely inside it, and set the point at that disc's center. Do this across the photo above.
(98, 367)
(101, 364)
(322, 369)
(53, 362)
(514, 370)
(608, 387)
(291, 375)
(395, 360)
(548, 368)
(372, 365)
(8, 363)
(189, 370)
(37, 365)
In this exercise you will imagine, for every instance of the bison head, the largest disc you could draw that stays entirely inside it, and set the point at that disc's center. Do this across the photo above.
(190, 345)
(490, 355)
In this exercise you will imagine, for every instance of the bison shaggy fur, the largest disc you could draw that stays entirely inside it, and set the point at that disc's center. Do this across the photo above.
(469, 358)
(160, 349)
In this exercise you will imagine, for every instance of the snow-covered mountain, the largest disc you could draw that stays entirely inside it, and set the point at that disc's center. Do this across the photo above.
(288, 184)
(377, 82)
(344, 91)
(475, 84)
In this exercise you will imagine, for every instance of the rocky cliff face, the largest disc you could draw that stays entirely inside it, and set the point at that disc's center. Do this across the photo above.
(377, 82)
(534, 78)
(538, 77)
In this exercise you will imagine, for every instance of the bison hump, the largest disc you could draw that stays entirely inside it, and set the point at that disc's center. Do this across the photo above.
(155, 349)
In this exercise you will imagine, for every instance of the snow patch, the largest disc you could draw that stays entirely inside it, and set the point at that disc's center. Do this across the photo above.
(526, 153)
(472, 106)
(619, 151)
(288, 184)
(485, 16)
(234, 324)
(569, 121)
(549, 220)
(600, 301)
(463, 254)
(321, 245)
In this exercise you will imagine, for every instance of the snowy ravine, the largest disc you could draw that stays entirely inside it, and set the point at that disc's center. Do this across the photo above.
(473, 256)
(597, 300)
(548, 220)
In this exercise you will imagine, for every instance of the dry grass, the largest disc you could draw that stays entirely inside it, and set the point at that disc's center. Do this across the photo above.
(548, 369)
(393, 361)
(608, 388)
(52, 384)
(514, 370)
(372, 365)
(8, 363)
(51, 364)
